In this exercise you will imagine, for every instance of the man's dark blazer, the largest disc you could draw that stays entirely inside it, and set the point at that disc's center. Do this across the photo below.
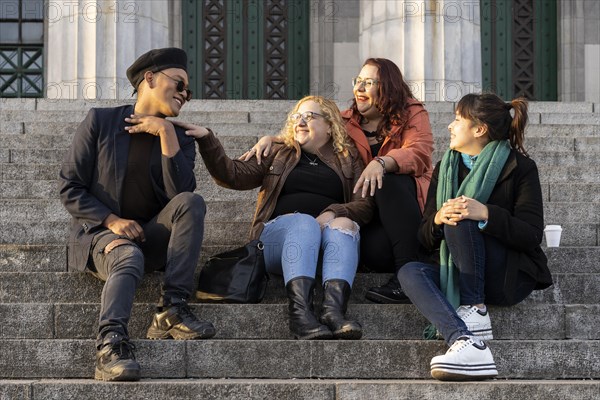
(93, 173)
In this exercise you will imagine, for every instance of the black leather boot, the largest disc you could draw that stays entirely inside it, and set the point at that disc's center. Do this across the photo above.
(303, 323)
(336, 293)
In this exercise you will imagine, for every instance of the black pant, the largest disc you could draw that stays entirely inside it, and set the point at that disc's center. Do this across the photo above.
(390, 240)
(173, 242)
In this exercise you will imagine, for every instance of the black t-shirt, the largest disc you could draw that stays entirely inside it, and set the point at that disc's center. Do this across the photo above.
(138, 201)
(309, 188)
(374, 147)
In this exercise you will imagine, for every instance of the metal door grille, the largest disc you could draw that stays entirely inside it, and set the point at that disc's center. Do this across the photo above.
(21, 48)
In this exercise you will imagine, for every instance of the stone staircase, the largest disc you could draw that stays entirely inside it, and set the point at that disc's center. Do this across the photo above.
(547, 347)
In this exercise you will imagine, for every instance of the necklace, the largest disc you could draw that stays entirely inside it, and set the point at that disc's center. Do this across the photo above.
(311, 162)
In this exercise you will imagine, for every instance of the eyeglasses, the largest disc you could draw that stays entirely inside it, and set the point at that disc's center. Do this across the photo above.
(180, 86)
(306, 116)
(368, 82)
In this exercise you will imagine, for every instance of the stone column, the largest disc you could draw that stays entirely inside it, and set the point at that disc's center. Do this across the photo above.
(579, 50)
(321, 51)
(436, 43)
(90, 44)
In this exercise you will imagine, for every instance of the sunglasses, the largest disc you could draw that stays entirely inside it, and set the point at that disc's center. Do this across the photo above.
(306, 116)
(180, 86)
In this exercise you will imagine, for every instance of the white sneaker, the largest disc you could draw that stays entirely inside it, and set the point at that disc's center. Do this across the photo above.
(478, 323)
(467, 359)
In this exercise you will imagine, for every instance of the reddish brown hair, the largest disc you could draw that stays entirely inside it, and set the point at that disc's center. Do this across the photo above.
(393, 94)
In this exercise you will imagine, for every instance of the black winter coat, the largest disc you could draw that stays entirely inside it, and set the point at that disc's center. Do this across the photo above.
(516, 219)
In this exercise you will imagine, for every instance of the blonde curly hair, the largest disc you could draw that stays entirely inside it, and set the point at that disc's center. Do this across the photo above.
(331, 112)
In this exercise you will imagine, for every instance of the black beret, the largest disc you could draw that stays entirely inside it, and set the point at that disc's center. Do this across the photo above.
(156, 60)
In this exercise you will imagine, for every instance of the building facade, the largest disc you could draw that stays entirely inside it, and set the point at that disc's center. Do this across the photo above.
(284, 49)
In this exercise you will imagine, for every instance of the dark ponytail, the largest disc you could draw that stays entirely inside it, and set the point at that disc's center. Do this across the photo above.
(490, 110)
(517, 126)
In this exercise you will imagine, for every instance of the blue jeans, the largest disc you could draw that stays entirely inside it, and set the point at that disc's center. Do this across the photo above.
(293, 243)
(481, 262)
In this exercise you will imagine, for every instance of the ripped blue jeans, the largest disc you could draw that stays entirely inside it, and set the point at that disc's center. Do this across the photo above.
(293, 243)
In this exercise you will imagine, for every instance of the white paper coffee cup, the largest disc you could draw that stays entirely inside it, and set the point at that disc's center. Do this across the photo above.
(553, 233)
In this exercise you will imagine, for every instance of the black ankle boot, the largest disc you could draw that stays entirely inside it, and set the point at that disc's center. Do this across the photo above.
(390, 293)
(336, 293)
(303, 323)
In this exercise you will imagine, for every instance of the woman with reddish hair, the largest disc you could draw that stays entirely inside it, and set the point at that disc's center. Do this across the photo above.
(392, 133)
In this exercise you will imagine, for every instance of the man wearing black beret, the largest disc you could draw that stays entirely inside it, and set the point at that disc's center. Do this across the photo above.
(128, 183)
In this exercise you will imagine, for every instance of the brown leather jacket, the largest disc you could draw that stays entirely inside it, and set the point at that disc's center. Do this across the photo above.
(271, 174)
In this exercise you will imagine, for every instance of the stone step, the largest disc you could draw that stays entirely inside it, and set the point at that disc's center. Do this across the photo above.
(52, 210)
(66, 130)
(52, 258)
(48, 189)
(575, 234)
(550, 158)
(14, 117)
(70, 116)
(535, 130)
(258, 105)
(194, 105)
(71, 287)
(298, 389)
(548, 173)
(270, 321)
(437, 119)
(570, 119)
(37, 233)
(229, 128)
(571, 192)
(287, 359)
(54, 141)
(16, 121)
(569, 174)
(50, 149)
(55, 156)
(39, 189)
(535, 145)
(562, 130)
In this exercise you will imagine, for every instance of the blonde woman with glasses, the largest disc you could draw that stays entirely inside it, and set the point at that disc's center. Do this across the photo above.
(306, 214)
(392, 134)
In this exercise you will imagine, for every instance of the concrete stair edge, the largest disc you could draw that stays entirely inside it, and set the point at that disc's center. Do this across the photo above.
(299, 389)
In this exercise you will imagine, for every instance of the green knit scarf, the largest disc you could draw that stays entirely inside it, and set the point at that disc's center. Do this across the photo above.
(478, 185)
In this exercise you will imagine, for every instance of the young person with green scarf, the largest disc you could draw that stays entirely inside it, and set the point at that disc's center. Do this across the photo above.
(482, 225)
